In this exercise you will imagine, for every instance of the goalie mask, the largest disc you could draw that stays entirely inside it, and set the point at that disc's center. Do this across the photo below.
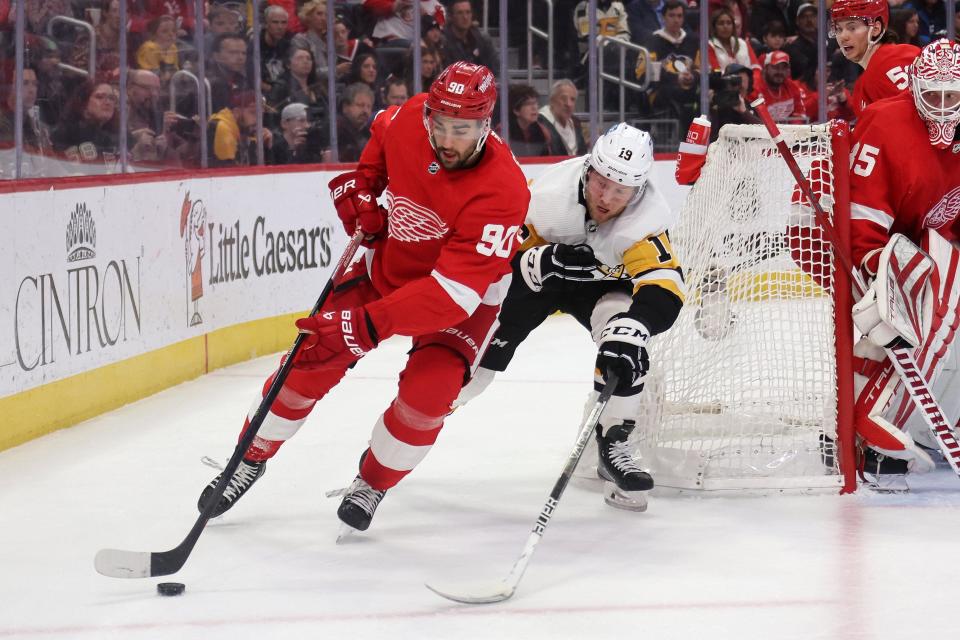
(624, 154)
(935, 85)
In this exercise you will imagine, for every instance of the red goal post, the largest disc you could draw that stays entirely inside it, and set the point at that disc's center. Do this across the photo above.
(752, 389)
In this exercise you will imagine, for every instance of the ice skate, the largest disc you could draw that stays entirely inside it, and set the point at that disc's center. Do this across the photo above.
(883, 473)
(243, 478)
(359, 504)
(626, 481)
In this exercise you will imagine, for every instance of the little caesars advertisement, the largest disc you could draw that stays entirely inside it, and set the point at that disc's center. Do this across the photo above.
(95, 275)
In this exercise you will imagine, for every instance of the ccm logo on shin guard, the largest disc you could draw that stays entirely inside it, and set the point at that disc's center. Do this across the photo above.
(346, 326)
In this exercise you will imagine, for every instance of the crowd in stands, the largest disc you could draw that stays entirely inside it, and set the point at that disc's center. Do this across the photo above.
(72, 71)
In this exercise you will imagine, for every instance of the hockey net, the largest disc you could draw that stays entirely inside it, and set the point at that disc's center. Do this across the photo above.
(743, 390)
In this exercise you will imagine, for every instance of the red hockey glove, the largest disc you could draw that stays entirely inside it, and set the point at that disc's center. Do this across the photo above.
(339, 338)
(357, 204)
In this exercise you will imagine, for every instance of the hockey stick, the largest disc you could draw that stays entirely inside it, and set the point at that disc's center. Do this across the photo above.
(901, 357)
(485, 593)
(117, 563)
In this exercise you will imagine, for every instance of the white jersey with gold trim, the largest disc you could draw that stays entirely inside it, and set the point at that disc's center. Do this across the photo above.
(633, 245)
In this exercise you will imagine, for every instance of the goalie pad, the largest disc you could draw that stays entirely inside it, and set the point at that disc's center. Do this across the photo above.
(883, 407)
(894, 306)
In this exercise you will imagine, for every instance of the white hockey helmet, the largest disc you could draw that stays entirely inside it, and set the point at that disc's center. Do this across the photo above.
(935, 85)
(623, 154)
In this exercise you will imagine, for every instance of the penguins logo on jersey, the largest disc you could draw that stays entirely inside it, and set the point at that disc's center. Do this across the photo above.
(618, 272)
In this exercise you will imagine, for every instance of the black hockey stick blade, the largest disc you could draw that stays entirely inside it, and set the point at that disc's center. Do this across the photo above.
(117, 563)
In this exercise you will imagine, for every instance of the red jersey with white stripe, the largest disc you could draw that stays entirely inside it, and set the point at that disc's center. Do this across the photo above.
(786, 103)
(451, 234)
(885, 75)
(899, 182)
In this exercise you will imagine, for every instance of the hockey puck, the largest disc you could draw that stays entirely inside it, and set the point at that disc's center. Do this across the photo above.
(171, 588)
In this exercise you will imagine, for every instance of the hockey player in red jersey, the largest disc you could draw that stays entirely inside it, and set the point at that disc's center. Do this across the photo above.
(437, 268)
(920, 199)
(861, 30)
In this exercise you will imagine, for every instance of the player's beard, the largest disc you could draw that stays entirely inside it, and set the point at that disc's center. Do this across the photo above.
(461, 161)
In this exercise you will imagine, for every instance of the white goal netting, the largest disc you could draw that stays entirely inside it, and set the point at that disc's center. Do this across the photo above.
(742, 390)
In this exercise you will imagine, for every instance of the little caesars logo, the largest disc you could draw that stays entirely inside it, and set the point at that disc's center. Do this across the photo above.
(91, 306)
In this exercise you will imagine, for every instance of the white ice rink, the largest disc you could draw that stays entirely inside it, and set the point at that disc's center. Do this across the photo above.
(808, 567)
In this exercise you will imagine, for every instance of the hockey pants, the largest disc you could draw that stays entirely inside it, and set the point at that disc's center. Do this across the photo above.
(435, 371)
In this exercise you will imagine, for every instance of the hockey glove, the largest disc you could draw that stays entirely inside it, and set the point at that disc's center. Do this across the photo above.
(552, 263)
(623, 349)
(357, 205)
(337, 340)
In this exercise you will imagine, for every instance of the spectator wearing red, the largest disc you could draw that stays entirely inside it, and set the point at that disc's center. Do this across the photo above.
(180, 10)
(784, 97)
(347, 48)
(725, 47)
(395, 18)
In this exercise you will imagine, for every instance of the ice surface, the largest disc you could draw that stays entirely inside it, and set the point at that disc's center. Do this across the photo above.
(804, 567)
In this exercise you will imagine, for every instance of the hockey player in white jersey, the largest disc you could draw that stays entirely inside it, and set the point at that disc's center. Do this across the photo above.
(596, 246)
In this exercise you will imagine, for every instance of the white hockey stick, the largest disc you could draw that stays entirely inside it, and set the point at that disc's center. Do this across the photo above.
(901, 357)
(488, 592)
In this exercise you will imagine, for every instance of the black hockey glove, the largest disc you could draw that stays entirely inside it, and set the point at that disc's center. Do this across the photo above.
(623, 349)
(549, 264)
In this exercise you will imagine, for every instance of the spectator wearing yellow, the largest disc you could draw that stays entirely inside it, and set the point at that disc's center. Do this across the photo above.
(232, 132)
(159, 53)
